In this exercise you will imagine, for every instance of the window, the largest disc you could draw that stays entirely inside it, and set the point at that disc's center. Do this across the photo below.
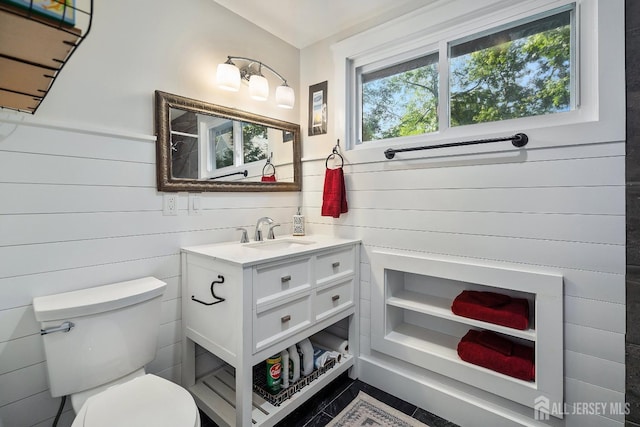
(255, 142)
(401, 99)
(521, 71)
(518, 70)
(221, 138)
(235, 143)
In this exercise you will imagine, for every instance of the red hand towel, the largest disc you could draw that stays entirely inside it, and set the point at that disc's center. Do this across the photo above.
(490, 299)
(473, 304)
(495, 342)
(268, 178)
(520, 364)
(334, 197)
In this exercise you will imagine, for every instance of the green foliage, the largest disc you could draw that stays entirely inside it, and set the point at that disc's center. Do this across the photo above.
(525, 77)
(402, 104)
(521, 78)
(254, 142)
(254, 145)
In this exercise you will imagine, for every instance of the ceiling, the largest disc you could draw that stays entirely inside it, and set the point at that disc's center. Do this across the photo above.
(304, 22)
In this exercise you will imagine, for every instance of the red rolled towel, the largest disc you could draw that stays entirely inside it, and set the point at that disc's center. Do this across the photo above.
(495, 342)
(334, 197)
(519, 364)
(268, 178)
(493, 308)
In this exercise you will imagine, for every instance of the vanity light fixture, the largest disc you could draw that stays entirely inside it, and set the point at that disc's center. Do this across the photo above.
(229, 76)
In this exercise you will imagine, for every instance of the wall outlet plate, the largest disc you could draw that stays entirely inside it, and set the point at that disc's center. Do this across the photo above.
(170, 204)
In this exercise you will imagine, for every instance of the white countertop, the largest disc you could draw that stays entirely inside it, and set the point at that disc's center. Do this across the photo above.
(268, 250)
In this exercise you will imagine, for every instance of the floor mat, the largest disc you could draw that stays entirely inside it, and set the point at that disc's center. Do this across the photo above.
(364, 410)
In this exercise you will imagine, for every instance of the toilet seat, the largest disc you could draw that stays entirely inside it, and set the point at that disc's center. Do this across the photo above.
(146, 400)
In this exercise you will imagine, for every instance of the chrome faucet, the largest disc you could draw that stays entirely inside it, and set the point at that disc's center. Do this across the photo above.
(263, 220)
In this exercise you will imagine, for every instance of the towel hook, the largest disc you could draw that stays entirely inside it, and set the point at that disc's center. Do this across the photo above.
(264, 168)
(334, 153)
(218, 299)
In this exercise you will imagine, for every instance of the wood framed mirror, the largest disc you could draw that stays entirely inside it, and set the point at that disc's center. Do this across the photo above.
(207, 147)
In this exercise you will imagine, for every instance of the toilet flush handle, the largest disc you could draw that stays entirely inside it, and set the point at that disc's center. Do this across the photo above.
(64, 327)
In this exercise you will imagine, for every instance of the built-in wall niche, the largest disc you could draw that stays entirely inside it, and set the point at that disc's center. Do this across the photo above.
(414, 295)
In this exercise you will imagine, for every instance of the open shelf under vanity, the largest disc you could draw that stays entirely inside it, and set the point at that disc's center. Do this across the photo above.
(216, 395)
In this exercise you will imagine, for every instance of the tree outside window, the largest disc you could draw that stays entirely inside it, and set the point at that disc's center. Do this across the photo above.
(524, 70)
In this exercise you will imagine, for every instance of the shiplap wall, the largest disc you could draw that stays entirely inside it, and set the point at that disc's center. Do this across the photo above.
(78, 212)
(77, 180)
(561, 210)
(80, 209)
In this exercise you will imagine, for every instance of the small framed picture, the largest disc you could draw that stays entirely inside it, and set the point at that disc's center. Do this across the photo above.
(318, 109)
(287, 136)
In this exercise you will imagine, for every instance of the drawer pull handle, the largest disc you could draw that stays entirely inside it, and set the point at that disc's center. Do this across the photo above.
(335, 298)
(285, 279)
(335, 264)
(285, 319)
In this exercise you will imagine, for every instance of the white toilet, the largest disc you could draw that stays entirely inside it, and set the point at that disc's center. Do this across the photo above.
(97, 342)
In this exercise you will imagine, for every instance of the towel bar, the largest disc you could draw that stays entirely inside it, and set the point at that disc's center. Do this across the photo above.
(518, 140)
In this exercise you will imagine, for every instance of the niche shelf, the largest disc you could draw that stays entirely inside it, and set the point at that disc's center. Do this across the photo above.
(34, 48)
(414, 294)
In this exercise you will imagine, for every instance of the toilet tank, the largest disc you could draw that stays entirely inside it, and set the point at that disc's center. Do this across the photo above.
(115, 333)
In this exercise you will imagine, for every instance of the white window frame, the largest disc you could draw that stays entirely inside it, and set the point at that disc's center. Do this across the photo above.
(378, 65)
(600, 113)
(206, 154)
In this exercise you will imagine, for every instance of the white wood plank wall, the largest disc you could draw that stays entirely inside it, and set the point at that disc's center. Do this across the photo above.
(79, 210)
(557, 209)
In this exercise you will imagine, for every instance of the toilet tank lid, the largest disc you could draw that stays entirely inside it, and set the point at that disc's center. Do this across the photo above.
(95, 300)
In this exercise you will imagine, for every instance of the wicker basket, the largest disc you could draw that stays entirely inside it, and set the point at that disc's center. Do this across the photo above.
(260, 382)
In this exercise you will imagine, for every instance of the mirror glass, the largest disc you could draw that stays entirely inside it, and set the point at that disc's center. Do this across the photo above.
(208, 147)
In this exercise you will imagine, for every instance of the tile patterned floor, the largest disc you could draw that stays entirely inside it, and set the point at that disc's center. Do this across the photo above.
(330, 401)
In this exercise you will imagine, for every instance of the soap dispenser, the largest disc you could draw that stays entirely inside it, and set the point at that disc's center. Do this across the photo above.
(298, 224)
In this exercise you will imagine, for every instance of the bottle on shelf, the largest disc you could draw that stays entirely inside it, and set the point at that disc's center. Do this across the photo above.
(294, 364)
(274, 369)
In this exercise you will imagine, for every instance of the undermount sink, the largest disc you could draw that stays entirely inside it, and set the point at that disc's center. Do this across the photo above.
(278, 244)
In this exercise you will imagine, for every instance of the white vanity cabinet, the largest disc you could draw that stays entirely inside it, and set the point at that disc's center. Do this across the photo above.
(247, 302)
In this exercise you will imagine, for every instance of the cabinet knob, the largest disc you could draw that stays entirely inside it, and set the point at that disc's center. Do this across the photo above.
(335, 298)
(285, 319)
(335, 264)
(285, 279)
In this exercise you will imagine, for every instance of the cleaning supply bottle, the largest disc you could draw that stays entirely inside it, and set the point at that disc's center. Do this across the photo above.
(294, 365)
(274, 368)
(284, 374)
(306, 367)
(298, 224)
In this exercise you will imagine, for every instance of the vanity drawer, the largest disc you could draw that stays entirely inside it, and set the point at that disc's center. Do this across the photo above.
(274, 281)
(276, 323)
(331, 299)
(334, 265)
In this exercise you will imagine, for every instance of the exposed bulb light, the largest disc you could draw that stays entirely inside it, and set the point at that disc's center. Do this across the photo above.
(229, 76)
(285, 96)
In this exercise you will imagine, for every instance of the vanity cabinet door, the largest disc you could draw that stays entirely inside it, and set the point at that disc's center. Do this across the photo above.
(209, 319)
(273, 323)
(335, 265)
(333, 298)
(277, 281)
